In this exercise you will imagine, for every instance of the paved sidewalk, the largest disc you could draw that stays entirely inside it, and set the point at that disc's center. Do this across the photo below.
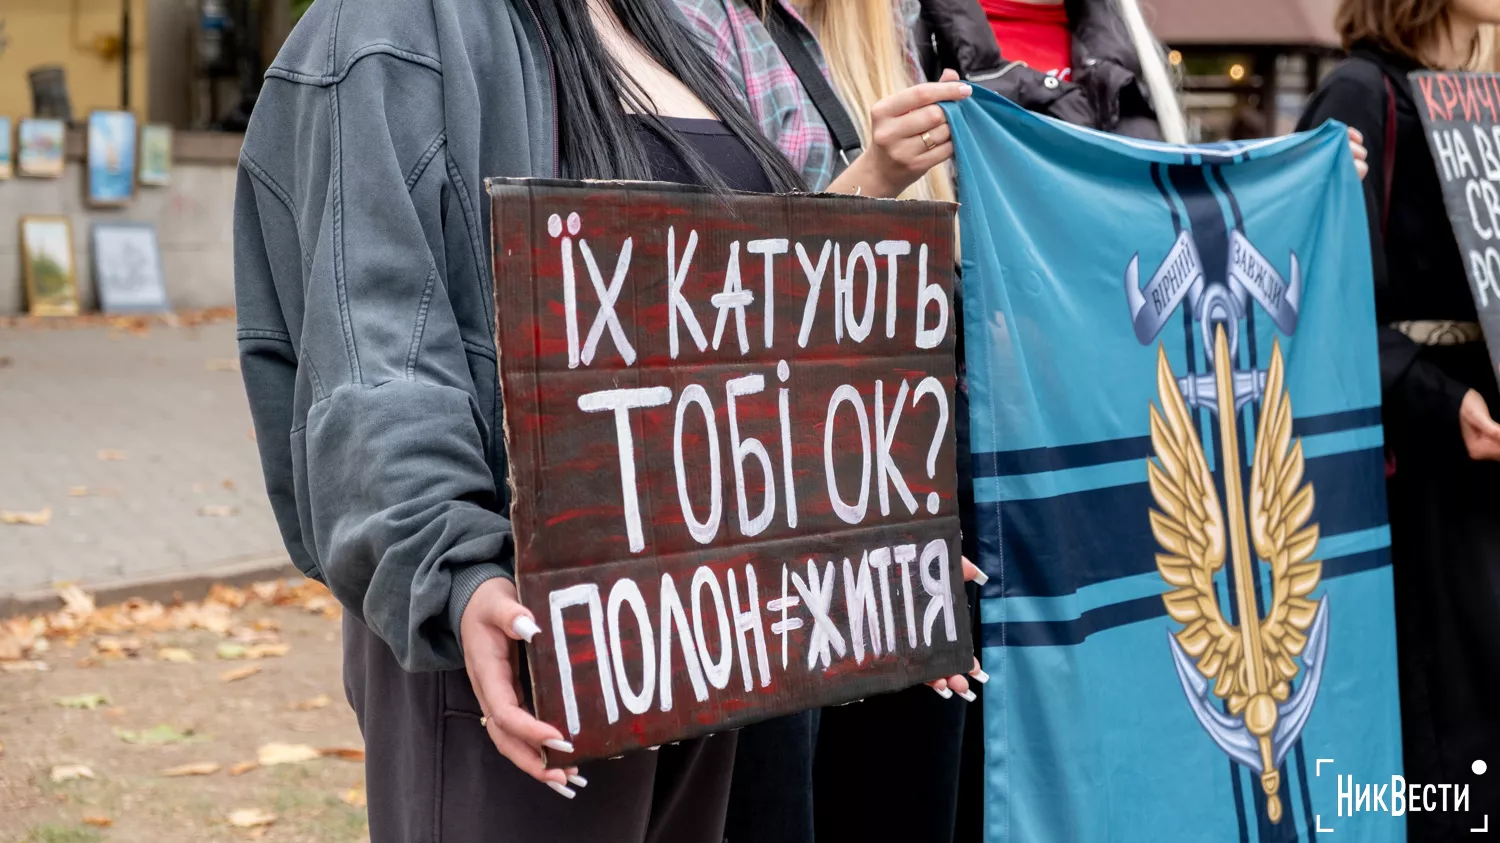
(171, 402)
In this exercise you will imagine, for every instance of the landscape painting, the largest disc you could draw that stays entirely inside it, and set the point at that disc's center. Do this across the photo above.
(156, 155)
(40, 151)
(47, 252)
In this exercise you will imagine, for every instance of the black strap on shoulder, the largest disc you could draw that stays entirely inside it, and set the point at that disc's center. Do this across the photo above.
(845, 136)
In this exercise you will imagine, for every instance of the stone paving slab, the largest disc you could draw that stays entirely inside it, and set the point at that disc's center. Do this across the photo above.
(172, 402)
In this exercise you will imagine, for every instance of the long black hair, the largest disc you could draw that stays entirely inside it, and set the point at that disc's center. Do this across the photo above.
(596, 139)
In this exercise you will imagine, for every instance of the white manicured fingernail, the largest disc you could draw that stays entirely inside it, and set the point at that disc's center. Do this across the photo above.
(978, 675)
(968, 696)
(557, 744)
(563, 789)
(945, 693)
(525, 628)
(578, 781)
(980, 576)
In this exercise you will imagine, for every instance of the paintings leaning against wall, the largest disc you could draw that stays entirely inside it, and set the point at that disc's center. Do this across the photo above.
(7, 167)
(39, 152)
(111, 158)
(156, 155)
(47, 264)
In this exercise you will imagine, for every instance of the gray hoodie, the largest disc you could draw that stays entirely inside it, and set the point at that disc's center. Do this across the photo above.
(366, 312)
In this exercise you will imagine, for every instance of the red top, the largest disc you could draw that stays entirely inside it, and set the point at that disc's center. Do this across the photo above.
(1036, 33)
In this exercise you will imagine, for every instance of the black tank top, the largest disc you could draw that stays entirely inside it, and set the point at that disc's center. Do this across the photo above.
(721, 150)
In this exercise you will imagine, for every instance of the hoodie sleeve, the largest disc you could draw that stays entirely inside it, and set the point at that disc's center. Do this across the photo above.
(373, 438)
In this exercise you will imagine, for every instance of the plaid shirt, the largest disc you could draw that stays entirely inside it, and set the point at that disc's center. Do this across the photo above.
(740, 44)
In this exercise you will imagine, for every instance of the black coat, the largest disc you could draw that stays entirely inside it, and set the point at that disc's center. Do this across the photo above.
(1107, 92)
(1445, 531)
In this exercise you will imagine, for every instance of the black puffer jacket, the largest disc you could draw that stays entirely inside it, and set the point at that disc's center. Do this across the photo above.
(1107, 91)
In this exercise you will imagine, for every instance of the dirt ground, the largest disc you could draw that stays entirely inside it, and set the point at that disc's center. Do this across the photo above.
(47, 726)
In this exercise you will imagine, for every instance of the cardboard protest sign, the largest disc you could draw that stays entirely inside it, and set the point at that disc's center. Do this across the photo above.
(730, 433)
(1461, 115)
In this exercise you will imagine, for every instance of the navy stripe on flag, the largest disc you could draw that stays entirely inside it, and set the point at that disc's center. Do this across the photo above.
(1070, 632)
(1063, 457)
(1055, 546)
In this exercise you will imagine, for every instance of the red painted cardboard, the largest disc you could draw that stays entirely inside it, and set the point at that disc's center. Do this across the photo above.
(800, 551)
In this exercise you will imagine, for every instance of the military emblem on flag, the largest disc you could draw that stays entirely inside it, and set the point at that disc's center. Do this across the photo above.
(1250, 666)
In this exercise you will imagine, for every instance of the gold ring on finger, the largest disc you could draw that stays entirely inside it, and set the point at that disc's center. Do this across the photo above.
(927, 139)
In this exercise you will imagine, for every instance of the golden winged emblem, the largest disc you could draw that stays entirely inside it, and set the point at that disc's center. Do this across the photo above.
(1251, 665)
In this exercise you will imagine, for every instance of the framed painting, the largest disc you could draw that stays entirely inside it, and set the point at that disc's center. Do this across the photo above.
(39, 150)
(156, 155)
(127, 268)
(47, 263)
(6, 156)
(111, 158)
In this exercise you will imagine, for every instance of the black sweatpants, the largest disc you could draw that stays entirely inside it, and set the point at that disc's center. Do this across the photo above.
(433, 776)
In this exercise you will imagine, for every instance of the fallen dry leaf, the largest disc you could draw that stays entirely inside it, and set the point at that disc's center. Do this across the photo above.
(344, 753)
(176, 655)
(286, 753)
(40, 518)
(234, 598)
(320, 701)
(244, 767)
(87, 702)
(78, 491)
(111, 647)
(230, 652)
(202, 768)
(267, 651)
(216, 511)
(240, 673)
(154, 736)
(107, 455)
(98, 822)
(251, 818)
(70, 772)
(222, 364)
(228, 484)
(24, 667)
(76, 601)
(355, 796)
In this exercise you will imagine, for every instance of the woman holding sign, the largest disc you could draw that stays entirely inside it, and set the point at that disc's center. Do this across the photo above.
(1441, 440)
(363, 277)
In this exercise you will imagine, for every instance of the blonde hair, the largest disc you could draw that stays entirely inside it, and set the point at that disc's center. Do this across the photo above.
(865, 46)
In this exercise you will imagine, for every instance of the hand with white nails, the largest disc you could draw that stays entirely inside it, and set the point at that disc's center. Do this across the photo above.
(492, 623)
(960, 685)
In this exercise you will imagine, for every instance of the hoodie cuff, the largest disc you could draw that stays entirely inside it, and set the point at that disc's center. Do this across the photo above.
(465, 582)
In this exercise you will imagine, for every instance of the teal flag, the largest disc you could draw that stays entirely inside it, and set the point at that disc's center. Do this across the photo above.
(1178, 461)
